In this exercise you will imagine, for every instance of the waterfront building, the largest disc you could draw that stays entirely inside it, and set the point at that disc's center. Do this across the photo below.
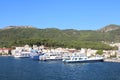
(90, 52)
(118, 54)
(5, 51)
(110, 53)
(21, 51)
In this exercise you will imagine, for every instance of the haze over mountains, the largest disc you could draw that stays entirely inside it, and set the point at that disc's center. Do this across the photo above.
(109, 33)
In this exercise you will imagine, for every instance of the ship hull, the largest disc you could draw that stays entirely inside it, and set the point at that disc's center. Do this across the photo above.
(83, 61)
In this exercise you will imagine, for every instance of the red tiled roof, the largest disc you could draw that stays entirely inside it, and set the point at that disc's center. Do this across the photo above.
(5, 48)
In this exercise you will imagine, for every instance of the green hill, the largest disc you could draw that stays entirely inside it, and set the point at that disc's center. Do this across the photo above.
(52, 37)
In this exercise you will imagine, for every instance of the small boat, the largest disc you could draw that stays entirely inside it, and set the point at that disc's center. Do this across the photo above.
(75, 59)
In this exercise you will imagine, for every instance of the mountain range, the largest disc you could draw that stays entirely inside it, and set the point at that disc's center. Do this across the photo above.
(14, 34)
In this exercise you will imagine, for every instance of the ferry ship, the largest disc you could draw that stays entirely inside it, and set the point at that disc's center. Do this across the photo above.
(75, 59)
(22, 54)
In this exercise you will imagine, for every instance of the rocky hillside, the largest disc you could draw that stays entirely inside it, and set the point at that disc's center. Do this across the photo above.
(110, 28)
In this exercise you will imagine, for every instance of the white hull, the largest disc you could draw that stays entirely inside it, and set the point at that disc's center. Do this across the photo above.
(83, 59)
(50, 58)
(22, 55)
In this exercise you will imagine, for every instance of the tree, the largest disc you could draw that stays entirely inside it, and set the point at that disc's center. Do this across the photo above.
(99, 52)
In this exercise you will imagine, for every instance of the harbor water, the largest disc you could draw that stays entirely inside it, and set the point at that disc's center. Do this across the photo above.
(27, 69)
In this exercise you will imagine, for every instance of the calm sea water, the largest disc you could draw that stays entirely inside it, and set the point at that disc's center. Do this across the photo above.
(27, 69)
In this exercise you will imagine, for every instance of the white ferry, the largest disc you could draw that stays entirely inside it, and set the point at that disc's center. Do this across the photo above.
(75, 59)
(50, 57)
(22, 54)
(53, 57)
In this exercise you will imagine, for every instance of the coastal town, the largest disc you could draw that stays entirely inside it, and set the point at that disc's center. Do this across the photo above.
(46, 53)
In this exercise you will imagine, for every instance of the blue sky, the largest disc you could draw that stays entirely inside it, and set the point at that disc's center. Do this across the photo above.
(62, 14)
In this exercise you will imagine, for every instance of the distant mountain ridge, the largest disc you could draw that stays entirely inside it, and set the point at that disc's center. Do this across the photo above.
(107, 28)
(9, 27)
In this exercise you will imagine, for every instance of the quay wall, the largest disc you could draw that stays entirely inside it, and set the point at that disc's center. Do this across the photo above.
(111, 60)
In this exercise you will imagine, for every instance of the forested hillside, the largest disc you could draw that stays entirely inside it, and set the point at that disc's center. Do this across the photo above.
(52, 37)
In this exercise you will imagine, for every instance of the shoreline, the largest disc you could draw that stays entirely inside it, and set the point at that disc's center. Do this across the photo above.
(5, 55)
(105, 60)
(111, 60)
